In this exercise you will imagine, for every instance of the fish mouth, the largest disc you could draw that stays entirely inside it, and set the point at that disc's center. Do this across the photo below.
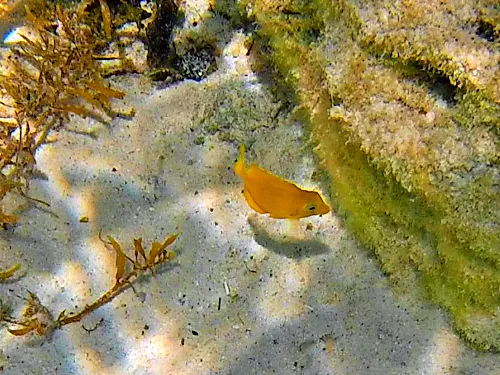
(323, 211)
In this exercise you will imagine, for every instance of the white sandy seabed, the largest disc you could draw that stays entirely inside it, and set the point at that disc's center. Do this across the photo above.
(242, 296)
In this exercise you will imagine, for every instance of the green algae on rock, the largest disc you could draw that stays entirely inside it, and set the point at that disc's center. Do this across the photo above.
(414, 169)
(238, 110)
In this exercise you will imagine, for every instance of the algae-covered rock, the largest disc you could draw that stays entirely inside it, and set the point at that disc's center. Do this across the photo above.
(404, 104)
(238, 110)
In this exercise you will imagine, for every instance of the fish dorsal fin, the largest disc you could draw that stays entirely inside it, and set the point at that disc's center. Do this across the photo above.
(240, 166)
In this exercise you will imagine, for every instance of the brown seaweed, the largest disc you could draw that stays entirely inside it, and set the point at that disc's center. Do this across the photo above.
(38, 319)
(50, 73)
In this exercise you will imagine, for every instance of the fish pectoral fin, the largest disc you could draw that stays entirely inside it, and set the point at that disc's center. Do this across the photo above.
(294, 227)
(254, 206)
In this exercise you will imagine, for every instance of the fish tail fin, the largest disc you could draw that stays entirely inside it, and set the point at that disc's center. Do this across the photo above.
(240, 166)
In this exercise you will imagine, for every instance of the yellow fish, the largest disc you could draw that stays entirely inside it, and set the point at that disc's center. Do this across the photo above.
(273, 195)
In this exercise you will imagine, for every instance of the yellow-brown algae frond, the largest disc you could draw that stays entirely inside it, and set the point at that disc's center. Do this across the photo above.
(37, 318)
(9, 272)
(82, 93)
(107, 91)
(106, 18)
(73, 108)
(121, 259)
(7, 219)
(39, 23)
(22, 331)
(139, 249)
(123, 278)
(159, 250)
(6, 184)
(46, 74)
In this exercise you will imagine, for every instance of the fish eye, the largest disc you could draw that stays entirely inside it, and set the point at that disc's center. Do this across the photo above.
(311, 207)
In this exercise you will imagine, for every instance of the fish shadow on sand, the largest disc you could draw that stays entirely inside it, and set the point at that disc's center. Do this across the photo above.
(286, 245)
